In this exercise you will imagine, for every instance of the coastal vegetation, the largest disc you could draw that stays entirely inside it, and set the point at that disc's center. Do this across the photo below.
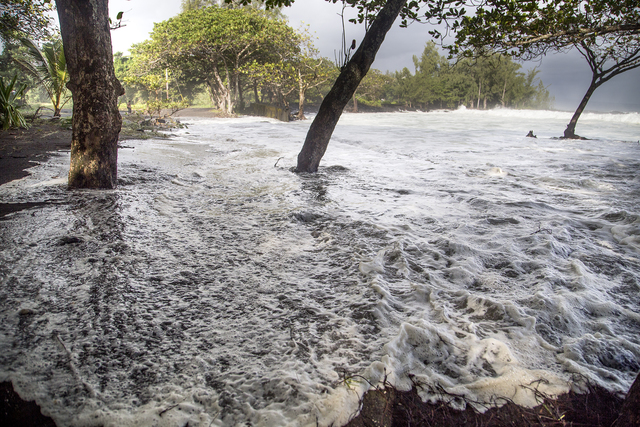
(190, 58)
(48, 68)
(9, 112)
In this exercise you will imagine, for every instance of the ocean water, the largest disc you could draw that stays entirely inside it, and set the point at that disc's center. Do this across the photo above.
(215, 287)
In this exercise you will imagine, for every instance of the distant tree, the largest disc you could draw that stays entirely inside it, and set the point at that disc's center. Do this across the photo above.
(606, 33)
(48, 67)
(541, 98)
(214, 44)
(429, 70)
(281, 68)
(403, 89)
(311, 71)
(372, 89)
(493, 75)
(187, 5)
(276, 77)
(459, 88)
(9, 66)
(122, 69)
(483, 82)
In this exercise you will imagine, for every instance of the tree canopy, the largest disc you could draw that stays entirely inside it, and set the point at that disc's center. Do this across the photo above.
(214, 45)
(606, 33)
(48, 67)
(24, 18)
(530, 29)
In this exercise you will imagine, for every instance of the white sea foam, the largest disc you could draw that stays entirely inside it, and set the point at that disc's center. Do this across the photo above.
(216, 287)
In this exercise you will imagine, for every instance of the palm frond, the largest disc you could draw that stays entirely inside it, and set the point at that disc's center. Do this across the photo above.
(10, 116)
(48, 66)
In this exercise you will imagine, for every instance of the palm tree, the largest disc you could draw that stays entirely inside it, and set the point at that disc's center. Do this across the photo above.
(49, 68)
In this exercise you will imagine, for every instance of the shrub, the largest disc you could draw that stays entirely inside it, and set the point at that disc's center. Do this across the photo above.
(9, 113)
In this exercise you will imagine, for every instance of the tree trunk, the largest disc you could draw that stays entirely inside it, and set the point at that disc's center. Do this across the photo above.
(86, 36)
(240, 95)
(630, 411)
(343, 89)
(569, 132)
(212, 93)
(57, 110)
(355, 103)
(166, 80)
(301, 97)
(230, 94)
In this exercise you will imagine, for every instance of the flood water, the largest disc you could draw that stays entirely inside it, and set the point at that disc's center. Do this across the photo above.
(216, 287)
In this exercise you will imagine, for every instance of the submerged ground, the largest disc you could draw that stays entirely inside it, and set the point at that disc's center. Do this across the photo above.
(14, 148)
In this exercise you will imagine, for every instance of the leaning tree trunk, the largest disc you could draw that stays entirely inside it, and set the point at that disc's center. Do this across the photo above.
(343, 89)
(86, 37)
(629, 413)
(570, 131)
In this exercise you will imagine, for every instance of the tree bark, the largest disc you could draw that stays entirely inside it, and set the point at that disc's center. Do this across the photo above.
(570, 131)
(301, 97)
(630, 412)
(345, 86)
(96, 124)
(255, 93)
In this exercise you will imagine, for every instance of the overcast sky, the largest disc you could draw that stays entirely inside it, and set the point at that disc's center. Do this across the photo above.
(567, 75)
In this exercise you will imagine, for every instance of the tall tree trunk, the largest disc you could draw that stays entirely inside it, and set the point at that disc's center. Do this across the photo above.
(301, 97)
(240, 95)
(343, 89)
(212, 93)
(166, 81)
(629, 413)
(96, 124)
(570, 131)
